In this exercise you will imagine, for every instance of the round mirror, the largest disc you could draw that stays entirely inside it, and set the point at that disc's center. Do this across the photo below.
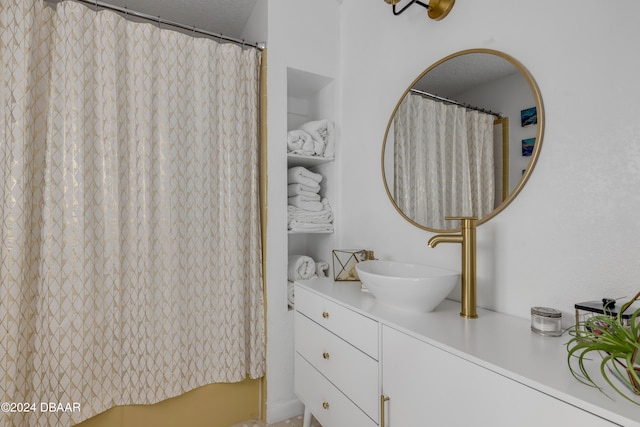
(463, 139)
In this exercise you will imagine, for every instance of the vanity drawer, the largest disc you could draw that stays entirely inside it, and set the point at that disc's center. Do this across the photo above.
(327, 404)
(356, 329)
(349, 369)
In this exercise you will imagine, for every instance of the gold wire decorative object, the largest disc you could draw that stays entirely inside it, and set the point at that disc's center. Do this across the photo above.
(344, 264)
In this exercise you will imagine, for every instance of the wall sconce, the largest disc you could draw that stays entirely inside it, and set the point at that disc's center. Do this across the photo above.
(436, 9)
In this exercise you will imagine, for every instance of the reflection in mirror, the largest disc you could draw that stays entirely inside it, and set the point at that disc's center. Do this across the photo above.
(463, 139)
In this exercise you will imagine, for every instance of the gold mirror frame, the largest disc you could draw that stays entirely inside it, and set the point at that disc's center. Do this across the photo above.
(534, 155)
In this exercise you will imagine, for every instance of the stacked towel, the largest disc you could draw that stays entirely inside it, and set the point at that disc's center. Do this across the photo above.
(307, 210)
(302, 190)
(311, 221)
(315, 138)
(302, 175)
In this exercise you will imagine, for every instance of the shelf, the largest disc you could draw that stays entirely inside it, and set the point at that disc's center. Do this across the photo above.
(306, 161)
(311, 97)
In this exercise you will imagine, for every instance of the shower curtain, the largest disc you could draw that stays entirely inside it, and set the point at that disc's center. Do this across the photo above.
(130, 264)
(443, 160)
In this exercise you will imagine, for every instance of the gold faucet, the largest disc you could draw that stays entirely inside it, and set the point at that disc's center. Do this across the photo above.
(467, 238)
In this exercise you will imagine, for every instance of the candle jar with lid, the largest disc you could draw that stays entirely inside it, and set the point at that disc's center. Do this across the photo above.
(546, 321)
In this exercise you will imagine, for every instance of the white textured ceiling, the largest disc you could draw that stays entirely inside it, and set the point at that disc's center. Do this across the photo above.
(226, 17)
(463, 73)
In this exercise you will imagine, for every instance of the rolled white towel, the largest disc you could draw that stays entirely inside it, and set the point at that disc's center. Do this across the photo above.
(300, 142)
(301, 267)
(302, 190)
(302, 175)
(306, 203)
(290, 294)
(322, 269)
(322, 131)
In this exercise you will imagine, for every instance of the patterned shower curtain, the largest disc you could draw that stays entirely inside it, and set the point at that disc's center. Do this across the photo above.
(130, 264)
(443, 162)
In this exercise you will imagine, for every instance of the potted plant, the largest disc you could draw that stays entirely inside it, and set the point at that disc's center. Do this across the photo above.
(615, 343)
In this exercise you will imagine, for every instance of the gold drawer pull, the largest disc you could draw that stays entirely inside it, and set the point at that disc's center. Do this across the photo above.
(325, 314)
(325, 405)
(325, 356)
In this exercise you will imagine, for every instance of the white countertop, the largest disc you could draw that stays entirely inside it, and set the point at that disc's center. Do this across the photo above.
(501, 343)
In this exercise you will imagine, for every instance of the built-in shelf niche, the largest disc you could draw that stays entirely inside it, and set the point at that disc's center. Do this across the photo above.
(311, 97)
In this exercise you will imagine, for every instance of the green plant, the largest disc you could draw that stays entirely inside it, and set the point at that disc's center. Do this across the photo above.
(617, 344)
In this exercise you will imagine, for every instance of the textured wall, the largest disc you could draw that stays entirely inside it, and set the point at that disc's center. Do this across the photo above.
(572, 234)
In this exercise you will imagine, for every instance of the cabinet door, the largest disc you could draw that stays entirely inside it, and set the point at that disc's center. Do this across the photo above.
(428, 386)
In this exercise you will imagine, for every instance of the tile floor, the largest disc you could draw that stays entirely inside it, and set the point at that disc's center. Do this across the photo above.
(291, 422)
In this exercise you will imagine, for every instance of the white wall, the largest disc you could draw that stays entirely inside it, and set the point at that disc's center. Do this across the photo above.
(302, 35)
(570, 236)
(572, 233)
(257, 25)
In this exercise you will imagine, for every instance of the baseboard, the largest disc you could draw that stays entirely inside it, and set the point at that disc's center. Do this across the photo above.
(284, 410)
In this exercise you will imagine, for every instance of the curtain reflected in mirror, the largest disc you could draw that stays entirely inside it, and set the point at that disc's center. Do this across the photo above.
(455, 142)
(443, 160)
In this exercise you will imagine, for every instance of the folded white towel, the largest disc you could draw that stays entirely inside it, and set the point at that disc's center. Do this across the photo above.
(304, 187)
(302, 175)
(307, 203)
(310, 224)
(323, 216)
(302, 190)
(300, 267)
(310, 221)
(306, 195)
(322, 131)
(300, 142)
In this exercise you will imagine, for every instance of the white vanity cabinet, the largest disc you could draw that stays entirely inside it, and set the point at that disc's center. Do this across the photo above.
(427, 384)
(435, 368)
(336, 362)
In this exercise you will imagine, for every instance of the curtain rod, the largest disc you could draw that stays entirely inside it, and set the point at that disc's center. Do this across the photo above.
(159, 20)
(451, 101)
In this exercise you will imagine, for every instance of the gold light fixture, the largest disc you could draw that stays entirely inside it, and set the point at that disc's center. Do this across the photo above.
(436, 9)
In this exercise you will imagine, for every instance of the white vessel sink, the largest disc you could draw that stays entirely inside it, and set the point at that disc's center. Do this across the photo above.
(412, 287)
